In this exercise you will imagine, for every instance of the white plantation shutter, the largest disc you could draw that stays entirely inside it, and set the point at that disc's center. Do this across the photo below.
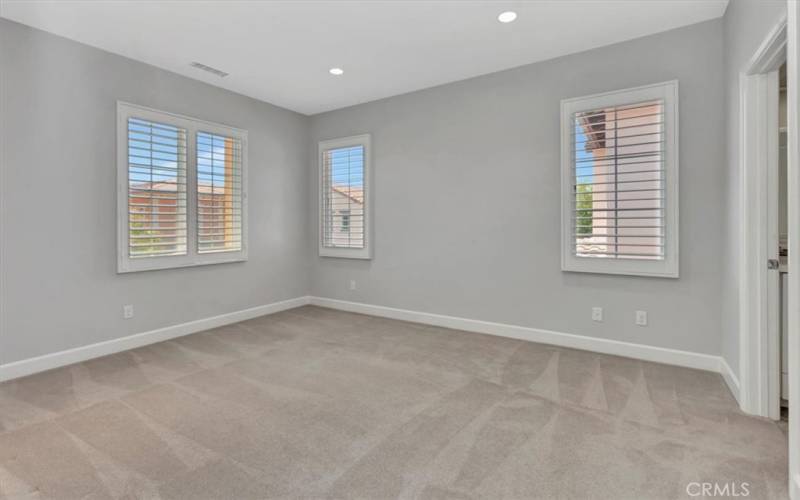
(620, 177)
(156, 189)
(219, 193)
(618, 181)
(344, 197)
(182, 191)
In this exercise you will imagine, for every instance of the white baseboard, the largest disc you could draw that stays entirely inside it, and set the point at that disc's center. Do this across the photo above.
(687, 359)
(794, 492)
(637, 351)
(730, 378)
(29, 366)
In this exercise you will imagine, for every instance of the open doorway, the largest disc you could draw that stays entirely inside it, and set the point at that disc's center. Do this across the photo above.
(771, 159)
(760, 272)
(769, 290)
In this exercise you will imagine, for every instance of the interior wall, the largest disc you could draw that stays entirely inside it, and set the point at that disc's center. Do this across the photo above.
(60, 289)
(745, 25)
(467, 190)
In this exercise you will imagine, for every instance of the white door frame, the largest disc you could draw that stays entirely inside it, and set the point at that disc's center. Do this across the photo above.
(759, 320)
(793, 152)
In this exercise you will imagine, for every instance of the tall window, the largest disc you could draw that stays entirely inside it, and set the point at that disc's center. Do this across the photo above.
(219, 193)
(344, 198)
(182, 199)
(620, 181)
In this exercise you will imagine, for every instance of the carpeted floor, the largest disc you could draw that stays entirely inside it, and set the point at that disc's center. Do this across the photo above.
(314, 403)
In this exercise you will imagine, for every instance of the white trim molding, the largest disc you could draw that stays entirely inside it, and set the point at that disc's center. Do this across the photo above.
(793, 155)
(643, 352)
(707, 362)
(758, 238)
(38, 364)
(773, 50)
(795, 487)
(731, 379)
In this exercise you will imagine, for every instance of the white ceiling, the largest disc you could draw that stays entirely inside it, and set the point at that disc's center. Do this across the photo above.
(280, 51)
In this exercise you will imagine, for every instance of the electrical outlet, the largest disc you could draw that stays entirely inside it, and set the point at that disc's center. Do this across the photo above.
(597, 314)
(641, 318)
(352, 284)
(127, 311)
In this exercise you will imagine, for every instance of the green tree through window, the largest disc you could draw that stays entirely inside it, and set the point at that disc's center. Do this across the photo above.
(583, 206)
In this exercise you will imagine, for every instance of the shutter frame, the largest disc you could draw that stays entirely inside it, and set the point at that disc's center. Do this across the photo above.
(570, 261)
(126, 264)
(326, 250)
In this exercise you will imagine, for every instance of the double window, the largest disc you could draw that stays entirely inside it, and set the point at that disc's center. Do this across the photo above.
(181, 191)
(620, 182)
(345, 206)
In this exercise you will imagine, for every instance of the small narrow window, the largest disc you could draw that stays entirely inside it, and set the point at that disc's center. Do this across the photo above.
(619, 177)
(344, 198)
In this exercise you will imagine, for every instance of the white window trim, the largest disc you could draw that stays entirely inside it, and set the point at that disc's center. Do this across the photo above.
(669, 266)
(363, 140)
(126, 264)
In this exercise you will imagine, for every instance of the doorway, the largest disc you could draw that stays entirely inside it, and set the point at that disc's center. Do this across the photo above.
(767, 296)
(760, 273)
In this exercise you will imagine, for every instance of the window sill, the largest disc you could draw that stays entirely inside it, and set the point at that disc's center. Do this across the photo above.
(156, 263)
(346, 253)
(622, 267)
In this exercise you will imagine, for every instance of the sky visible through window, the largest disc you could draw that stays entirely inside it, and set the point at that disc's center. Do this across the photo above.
(153, 148)
(347, 166)
(211, 158)
(158, 148)
(581, 155)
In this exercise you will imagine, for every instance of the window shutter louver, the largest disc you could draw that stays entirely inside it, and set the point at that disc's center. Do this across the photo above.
(343, 199)
(618, 182)
(157, 217)
(219, 193)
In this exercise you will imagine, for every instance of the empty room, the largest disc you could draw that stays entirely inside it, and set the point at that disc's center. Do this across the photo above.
(390, 249)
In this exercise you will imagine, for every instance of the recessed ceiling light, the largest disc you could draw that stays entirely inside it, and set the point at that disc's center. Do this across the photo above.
(507, 17)
(336, 71)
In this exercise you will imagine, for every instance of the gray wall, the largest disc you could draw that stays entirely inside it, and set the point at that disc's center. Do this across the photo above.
(60, 288)
(467, 198)
(746, 24)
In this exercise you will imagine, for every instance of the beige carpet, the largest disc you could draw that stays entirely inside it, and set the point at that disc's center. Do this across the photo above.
(314, 403)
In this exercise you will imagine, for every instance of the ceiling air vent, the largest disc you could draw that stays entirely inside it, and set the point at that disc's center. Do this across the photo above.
(215, 71)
